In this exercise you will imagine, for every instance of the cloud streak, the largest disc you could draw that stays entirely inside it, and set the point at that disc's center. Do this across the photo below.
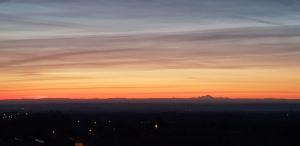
(35, 18)
(228, 48)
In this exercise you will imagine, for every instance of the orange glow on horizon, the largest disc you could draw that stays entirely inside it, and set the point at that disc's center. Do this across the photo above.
(251, 83)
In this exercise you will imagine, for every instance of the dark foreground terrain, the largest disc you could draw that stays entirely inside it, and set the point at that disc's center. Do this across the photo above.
(275, 124)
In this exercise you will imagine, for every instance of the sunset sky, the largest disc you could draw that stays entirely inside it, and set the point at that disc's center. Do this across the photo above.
(149, 48)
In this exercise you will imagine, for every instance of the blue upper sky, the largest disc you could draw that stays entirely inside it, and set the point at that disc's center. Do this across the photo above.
(23, 19)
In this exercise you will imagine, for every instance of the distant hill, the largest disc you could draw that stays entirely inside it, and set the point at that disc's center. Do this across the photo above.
(205, 103)
(199, 99)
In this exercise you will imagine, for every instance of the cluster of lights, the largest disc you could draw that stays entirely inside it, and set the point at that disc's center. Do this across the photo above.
(90, 130)
(12, 116)
(5, 116)
(94, 123)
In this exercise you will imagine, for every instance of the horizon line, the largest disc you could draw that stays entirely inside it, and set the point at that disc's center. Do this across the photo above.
(157, 98)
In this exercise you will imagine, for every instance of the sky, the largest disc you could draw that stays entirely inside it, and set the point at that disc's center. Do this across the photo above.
(149, 48)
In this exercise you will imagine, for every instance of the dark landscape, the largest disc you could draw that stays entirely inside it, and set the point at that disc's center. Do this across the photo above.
(125, 122)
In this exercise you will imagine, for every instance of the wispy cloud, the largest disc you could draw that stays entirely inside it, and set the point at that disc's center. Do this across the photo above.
(228, 48)
(35, 18)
